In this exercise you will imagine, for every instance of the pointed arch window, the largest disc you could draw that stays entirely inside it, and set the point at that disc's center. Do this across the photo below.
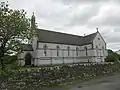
(68, 48)
(86, 51)
(58, 48)
(37, 46)
(77, 51)
(103, 49)
(97, 52)
(45, 49)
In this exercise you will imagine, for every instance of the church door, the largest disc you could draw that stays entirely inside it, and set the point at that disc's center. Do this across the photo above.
(28, 58)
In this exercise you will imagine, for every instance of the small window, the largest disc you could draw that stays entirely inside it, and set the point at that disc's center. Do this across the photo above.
(103, 49)
(68, 48)
(98, 38)
(77, 51)
(57, 50)
(45, 49)
(86, 50)
(37, 46)
(97, 50)
(96, 47)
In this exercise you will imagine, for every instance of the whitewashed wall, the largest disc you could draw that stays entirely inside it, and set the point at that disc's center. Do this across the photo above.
(63, 57)
(98, 41)
(63, 49)
(21, 58)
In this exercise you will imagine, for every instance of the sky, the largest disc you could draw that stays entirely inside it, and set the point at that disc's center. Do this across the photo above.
(76, 17)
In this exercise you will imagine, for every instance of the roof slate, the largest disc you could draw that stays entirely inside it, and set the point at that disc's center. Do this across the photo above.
(63, 38)
(89, 38)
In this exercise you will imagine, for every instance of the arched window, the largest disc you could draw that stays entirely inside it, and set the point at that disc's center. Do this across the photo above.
(97, 51)
(103, 49)
(57, 47)
(77, 51)
(86, 51)
(37, 46)
(68, 48)
(45, 49)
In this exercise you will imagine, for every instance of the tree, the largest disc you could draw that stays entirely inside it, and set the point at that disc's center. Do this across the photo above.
(14, 29)
(112, 56)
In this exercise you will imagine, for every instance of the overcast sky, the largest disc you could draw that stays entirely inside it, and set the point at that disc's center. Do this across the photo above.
(77, 17)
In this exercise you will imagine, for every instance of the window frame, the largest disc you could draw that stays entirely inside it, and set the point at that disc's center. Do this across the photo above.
(86, 51)
(57, 48)
(68, 48)
(97, 50)
(77, 50)
(45, 49)
(98, 38)
(103, 49)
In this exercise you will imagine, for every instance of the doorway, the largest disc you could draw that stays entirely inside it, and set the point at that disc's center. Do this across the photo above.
(28, 59)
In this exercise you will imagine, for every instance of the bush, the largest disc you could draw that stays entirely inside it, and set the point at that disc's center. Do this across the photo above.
(13, 65)
(10, 59)
(112, 56)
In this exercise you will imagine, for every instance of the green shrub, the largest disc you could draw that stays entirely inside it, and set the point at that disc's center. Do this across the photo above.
(13, 65)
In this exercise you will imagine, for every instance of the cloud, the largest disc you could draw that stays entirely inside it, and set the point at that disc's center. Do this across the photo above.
(86, 1)
(81, 16)
(108, 15)
(116, 46)
(80, 1)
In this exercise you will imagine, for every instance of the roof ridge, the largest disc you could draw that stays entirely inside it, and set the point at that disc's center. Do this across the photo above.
(90, 34)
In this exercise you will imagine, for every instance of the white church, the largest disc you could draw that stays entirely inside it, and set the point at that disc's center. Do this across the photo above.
(53, 48)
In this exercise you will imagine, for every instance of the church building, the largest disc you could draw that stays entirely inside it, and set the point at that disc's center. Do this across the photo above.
(52, 48)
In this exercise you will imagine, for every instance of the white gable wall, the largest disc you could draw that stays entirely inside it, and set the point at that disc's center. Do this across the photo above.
(98, 41)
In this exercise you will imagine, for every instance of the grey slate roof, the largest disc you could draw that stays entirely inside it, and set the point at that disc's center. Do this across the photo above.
(27, 47)
(89, 38)
(63, 38)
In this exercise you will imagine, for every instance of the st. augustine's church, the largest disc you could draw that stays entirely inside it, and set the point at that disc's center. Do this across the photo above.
(53, 48)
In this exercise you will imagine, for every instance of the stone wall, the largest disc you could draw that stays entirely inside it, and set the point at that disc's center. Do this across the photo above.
(35, 78)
